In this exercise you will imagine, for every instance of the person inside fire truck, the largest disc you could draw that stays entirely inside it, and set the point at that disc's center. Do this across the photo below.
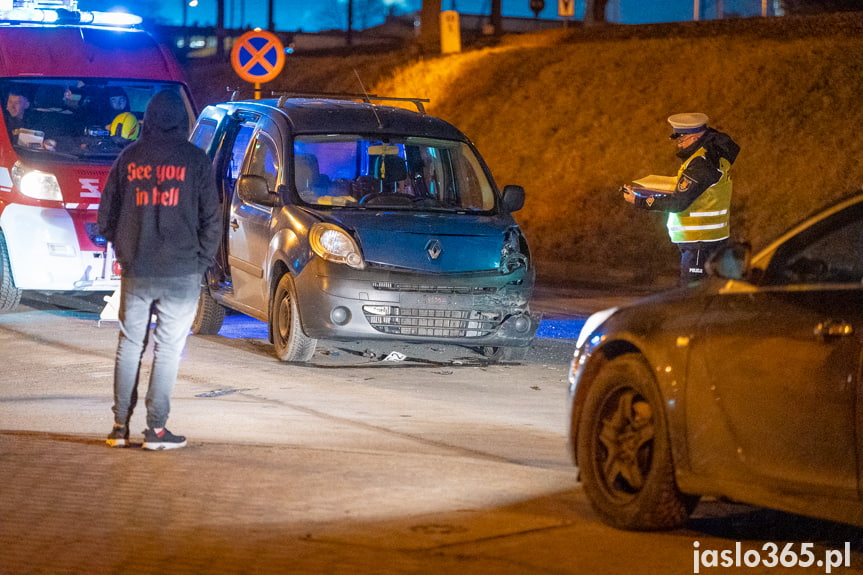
(76, 110)
(18, 109)
(20, 120)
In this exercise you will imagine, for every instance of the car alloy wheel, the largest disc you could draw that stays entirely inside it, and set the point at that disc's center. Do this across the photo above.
(624, 453)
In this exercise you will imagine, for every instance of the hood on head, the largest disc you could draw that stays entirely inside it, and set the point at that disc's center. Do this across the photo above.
(166, 114)
(716, 140)
(728, 148)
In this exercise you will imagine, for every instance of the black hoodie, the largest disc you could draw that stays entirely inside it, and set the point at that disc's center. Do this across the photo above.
(160, 207)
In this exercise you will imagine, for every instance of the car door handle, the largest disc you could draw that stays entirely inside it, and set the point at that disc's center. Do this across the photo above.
(833, 328)
(234, 224)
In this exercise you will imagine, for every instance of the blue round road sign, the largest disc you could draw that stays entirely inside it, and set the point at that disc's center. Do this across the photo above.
(258, 56)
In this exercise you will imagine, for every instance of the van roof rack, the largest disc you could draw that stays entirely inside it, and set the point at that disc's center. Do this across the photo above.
(367, 98)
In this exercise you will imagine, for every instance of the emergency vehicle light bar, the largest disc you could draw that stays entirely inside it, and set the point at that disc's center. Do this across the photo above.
(61, 12)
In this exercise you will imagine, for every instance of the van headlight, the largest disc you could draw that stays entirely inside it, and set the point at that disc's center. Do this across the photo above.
(514, 254)
(36, 184)
(334, 244)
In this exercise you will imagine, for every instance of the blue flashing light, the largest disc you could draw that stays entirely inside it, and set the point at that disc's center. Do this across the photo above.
(63, 12)
(120, 19)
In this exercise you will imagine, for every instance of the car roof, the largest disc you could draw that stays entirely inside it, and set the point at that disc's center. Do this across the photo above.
(331, 115)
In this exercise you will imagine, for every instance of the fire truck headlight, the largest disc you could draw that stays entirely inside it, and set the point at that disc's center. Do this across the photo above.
(37, 185)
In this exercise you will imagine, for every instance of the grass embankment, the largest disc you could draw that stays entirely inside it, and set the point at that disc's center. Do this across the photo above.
(573, 114)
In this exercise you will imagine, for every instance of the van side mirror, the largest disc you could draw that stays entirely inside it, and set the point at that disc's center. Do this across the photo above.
(513, 198)
(287, 194)
(730, 262)
(254, 190)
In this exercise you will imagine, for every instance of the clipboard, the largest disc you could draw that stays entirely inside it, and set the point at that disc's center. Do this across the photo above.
(651, 185)
(30, 138)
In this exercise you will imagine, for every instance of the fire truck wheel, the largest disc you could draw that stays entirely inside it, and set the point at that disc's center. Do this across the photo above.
(10, 296)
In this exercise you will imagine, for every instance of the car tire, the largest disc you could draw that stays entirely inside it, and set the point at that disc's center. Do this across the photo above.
(10, 296)
(506, 354)
(624, 451)
(210, 315)
(289, 341)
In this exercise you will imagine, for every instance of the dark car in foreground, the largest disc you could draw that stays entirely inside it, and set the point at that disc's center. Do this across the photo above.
(353, 220)
(744, 386)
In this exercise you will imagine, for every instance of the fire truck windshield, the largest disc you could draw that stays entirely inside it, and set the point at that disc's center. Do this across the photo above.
(72, 119)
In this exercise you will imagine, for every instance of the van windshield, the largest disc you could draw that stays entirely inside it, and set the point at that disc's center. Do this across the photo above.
(408, 173)
(89, 120)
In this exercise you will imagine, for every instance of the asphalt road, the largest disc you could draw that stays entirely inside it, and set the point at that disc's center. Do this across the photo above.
(436, 463)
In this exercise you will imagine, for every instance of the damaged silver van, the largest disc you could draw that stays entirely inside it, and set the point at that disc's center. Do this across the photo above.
(348, 219)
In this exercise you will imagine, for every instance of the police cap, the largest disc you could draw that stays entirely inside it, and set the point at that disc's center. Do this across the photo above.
(687, 123)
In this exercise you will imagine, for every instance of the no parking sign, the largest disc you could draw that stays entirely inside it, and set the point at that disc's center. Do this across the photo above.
(258, 56)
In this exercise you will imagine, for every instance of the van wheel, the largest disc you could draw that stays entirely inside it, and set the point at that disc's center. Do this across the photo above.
(505, 354)
(210, 315)
(10, 296)
(290, 343)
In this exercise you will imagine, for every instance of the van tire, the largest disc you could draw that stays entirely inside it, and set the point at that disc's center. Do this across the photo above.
(506, 354)
(289, 341)
(10, 296)
(210, 315)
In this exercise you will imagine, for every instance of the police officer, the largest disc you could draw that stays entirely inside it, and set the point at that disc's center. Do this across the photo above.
(699, 199)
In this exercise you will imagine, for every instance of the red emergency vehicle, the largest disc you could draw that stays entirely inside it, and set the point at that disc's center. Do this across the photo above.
(74, 86)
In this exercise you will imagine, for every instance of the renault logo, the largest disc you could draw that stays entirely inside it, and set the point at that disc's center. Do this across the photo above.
(434, 249)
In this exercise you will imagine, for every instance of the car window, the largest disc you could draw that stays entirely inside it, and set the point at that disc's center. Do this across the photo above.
(408, 173)
(831, 252)
(238, 150)
(204, 133)
(231, 155)
(264, 160)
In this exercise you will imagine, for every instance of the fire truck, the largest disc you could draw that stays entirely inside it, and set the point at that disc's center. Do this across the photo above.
(74, 86)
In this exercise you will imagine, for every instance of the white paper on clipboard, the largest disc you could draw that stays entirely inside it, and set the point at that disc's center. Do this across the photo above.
(658, 184)
(30, 138)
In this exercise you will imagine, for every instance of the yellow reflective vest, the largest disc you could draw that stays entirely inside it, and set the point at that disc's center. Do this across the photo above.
(707, 218)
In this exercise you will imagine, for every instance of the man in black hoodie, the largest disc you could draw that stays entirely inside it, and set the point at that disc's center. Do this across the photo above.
(698, 199)
(160, 209)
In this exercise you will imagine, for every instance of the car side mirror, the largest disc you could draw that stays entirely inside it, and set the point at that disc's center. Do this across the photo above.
(513, 198)
(730, 262)
(254, 190)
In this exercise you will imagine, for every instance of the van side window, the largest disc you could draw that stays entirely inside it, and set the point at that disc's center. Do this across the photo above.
(238, 150)
(264, 160)
(204, 133)
(232, 165)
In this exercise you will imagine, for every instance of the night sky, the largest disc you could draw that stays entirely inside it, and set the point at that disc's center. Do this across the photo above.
(316, 15)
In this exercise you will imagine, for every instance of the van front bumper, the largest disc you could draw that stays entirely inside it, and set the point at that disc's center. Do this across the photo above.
(480, 309)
